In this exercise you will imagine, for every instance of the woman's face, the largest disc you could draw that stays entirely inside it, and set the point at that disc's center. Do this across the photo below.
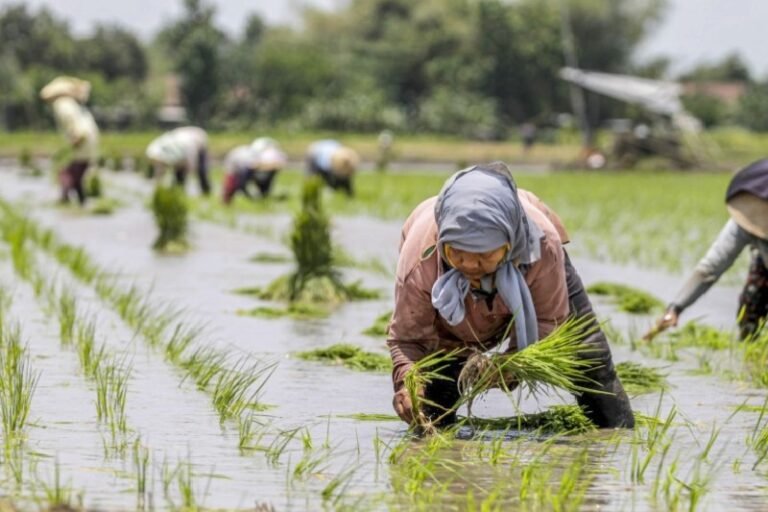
(475, 265)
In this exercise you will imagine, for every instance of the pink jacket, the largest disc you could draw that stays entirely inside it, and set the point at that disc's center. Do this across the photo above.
(416, 329)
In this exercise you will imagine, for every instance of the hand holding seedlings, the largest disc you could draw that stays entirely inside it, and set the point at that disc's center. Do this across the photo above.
(662, 324)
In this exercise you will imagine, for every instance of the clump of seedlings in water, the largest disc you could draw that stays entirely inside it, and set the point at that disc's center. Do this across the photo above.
(558, 419)
(18, 382)
(111, 393)
(350, 356)
(380, 325)
(169, 206)
(93, 185)
(628, 299)
(315, 280)
(639, 380)
(238, 389)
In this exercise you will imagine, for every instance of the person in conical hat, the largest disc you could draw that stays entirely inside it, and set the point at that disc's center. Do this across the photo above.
(185, 151)
(67, 97)
(334, 162)
(747, 204)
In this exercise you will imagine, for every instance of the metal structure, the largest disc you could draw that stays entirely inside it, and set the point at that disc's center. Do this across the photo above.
(669, 137)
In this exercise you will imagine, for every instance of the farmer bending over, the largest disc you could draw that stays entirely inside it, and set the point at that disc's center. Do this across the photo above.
(334, 162)
(184, 150)
(469, 259)
(67, 97)
(747, 203)
(244, 165)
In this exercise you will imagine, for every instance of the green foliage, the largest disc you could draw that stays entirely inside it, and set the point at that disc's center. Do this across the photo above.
(752, 111)
(350, 356)
(639, 380)
(379, 327)
(558, 419)
(710, 110)
(93, 185)
(629, 299)
(311, 242)
(169, 206)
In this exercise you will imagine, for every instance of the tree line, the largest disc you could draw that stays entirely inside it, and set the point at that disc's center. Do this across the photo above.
(475, 68)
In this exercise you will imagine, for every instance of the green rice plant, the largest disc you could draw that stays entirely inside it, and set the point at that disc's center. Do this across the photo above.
(238, 389)
(653, 441)
(558, 419)
(367, 416)
(350, 356)
(269, 257)
(56, 495)
(311, 240)
(695, 334)
(18, 382)
(104, 206)
(629, 299)
(90, 357)
(141, 467)
(180, 340)
(379, 327)
(93, 185)
(248, 438)
(297, 310)
(203, 365)
(560, 360)
(111, 394)
(67, 311)
(169, 206)
(76, 259)
(639, 380)
(428, 369)
(335, 490)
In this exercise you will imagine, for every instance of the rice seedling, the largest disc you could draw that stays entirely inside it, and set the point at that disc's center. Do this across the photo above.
(248, 438)
(104, 206)
(297, 310)
(628, 299)
(182, 338)
(93, 185)
(695, 334)
(651, 441)
(56, 495)
(350, 356)
(269, 257)
(90, 357)
(203, 365)
(111, 393)
(336, 488)
(639, 380)
(558, 419)
(18, 382)
(141, 467)
(560, 360)
(67, 315)
(170, 209)
(380, 325)
(367, 416)
(238, 389)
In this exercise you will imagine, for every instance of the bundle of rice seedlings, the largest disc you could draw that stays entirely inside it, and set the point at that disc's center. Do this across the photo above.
(424, 371)
(558, 419)
(560, 360)
(350, 356)
(169, 206)
(93, 185)
(628, 299)
(639, 380)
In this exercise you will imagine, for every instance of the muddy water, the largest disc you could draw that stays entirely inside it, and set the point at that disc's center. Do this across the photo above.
(177, 422)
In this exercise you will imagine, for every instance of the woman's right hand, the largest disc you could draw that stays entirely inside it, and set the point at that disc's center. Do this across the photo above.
(403, 406)
(669, 319)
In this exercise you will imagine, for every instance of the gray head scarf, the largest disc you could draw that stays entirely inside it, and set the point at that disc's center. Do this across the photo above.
(478, 210)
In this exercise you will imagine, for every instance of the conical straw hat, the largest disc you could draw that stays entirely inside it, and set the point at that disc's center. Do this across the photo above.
(344, 161)
(66, 86)
(750, 213)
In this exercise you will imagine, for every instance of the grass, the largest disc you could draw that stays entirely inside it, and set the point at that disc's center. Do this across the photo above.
(350, 356)
(269, 257)
(365, 416)
(379, 326)
(18, 381)
(628, 299)
(297, 310)
(639, 380)
(237, 390)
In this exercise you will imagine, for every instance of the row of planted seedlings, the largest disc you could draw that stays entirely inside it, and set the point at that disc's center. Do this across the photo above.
(715, 353)
(108, 373)
(234, 383)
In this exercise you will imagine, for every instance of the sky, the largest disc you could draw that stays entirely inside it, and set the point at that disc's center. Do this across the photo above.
(693, 30)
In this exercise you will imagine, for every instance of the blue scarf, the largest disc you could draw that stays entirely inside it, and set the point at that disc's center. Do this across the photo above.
(478, 210)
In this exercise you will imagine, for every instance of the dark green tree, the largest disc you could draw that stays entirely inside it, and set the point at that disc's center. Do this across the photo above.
(193, 44)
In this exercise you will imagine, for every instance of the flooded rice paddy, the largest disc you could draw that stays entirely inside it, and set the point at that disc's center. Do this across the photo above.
(297, 438)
